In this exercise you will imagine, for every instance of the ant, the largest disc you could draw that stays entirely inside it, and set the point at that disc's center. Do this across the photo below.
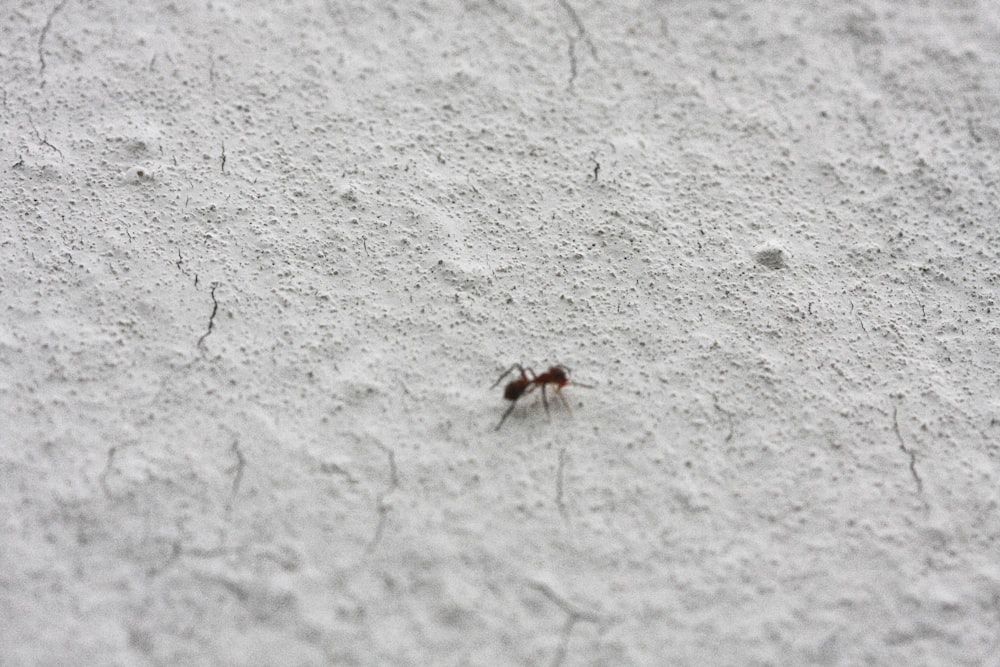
(528, 380)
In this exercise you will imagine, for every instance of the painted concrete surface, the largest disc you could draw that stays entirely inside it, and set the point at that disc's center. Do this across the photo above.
(261, 267)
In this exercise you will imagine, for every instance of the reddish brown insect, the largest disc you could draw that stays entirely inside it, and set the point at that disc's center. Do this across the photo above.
(526, 382)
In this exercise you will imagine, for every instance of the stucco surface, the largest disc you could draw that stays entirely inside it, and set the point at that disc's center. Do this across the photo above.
(261, 262)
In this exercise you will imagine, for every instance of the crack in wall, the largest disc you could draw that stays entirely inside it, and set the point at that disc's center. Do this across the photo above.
(909, 452)
(729, 416)
(43, 140)
(109, 464)
(241, 463)
(211, 69)
(581, 30)
(573, 616)
(860, 321)
(581, 35)
(103, 477)
(923, 311)
(863, 328)
(180, 266)
(572, 64)
(381, 507)
(559, 484)
(41, 40)
(211, 318)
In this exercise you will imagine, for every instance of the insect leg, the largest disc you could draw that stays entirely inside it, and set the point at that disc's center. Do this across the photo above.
(508, 372)
(505, 414)
(563, 398)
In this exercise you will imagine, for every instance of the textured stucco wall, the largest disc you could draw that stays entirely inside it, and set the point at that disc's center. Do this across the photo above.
(260, 267)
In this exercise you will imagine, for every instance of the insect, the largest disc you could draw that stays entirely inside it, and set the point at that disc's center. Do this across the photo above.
(527, 380)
